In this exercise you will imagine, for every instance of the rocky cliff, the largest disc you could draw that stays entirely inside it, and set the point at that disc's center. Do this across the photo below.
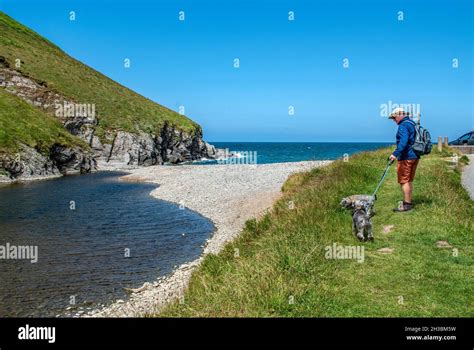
(115, 150)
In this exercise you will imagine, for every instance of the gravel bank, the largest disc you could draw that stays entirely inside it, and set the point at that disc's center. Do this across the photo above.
(229, 195)
(468, 176)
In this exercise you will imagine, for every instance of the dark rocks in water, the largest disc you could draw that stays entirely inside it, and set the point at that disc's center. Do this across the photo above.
(179, 146)
(29, 163)
(72, 160)
(171, 146)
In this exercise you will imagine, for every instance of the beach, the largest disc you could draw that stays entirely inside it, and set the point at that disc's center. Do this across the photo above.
(229, 195)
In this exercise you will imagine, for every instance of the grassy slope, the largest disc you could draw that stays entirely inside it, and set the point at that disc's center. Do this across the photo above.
(116, 106)
(21, 123)
(282, 254)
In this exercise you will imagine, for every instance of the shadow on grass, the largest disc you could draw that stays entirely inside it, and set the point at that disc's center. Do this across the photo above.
(423, 200)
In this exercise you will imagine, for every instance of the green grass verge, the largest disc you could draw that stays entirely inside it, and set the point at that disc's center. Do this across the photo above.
(21, 123)
(118, 107)
(281, 269)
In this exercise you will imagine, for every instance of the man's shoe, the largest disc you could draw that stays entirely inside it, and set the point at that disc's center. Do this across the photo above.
(403, 207)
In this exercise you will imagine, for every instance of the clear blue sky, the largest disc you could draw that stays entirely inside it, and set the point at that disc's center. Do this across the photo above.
(282, 63)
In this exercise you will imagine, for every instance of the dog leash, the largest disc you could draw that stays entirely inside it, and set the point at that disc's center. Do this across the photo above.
(390, 162)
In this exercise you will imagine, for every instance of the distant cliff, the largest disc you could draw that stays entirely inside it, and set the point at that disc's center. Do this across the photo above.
(58, 116)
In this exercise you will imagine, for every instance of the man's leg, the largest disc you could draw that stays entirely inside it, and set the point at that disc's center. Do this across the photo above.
(407, 189)
(405, 174)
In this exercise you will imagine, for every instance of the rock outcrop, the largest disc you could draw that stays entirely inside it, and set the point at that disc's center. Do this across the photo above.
(119, 150)
(29, 163)
(72, 160)
(172, 145)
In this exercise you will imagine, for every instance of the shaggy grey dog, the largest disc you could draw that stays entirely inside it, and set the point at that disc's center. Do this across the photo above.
(362, 213)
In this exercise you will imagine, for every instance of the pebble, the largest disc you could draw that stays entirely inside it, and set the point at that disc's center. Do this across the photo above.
(386, 250)
(443, 244)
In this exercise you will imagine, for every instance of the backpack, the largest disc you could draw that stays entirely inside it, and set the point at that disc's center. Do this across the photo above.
(422, 144)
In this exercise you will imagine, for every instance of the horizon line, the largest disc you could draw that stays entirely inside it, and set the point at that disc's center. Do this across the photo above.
(388, 142)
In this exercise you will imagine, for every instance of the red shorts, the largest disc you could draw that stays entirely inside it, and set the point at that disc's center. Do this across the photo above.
(406, 170)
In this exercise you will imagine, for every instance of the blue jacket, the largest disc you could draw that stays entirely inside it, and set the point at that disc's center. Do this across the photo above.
(405, 139)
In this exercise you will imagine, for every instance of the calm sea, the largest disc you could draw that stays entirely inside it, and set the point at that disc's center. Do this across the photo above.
(281, 152)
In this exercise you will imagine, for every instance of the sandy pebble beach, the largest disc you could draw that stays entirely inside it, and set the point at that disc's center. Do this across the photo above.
(228, 195)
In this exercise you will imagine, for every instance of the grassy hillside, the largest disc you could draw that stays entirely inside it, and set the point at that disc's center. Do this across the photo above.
(21, 123)
(116, 106)
(281, 269)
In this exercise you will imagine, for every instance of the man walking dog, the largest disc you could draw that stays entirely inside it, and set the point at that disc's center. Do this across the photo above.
(407, 157)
